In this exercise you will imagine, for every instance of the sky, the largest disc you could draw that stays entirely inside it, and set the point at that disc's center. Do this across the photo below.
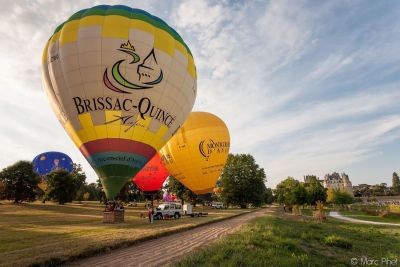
(306, 87)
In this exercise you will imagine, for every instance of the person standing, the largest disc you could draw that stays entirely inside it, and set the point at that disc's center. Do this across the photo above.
(150, 214)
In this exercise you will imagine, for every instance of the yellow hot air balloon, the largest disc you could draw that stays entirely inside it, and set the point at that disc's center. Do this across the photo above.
(198, 152)
(121, 82)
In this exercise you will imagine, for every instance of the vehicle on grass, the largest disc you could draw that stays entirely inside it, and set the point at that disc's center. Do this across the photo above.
(188, 211)
(217, 205)
(168, 210)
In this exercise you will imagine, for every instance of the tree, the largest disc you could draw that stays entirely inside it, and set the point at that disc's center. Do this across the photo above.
(19, 182)
(341, 198)
(380, 190)
(93, 192)
(131, 192)
(102, 195)
(79, 180)
(2, 190)
(315, 191)
(330, 195)
(268, 196)
(86, 196)
(181, 191)
(61, 186)
(291, 192)
(396, 184)
(243, 181)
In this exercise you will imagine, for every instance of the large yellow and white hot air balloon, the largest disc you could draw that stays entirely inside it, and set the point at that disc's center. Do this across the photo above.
(121, 82)
(197, 153)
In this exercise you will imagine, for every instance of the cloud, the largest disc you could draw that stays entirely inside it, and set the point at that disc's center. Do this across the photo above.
(304, 87)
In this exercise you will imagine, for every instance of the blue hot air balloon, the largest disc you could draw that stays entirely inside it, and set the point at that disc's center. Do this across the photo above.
(47, 162)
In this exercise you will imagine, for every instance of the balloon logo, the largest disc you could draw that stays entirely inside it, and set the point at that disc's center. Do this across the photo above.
(198, 152)
(144, 70)
(121, 82)
(152, 176)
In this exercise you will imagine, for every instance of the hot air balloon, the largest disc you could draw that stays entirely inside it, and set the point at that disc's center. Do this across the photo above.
(121, 82)
(47, 162)
(198, 152)
(152, 176)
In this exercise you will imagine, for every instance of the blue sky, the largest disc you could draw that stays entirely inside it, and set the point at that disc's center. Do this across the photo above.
(307, 87)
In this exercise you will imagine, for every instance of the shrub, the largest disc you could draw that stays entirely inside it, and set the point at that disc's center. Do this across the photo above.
(337, 241)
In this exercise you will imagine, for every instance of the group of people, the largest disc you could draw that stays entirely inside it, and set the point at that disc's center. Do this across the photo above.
(113, 206)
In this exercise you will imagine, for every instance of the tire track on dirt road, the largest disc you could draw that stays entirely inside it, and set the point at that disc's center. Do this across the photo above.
(164, 250)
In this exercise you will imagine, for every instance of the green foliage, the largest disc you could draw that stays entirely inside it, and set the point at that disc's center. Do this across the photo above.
(101, 194)
(2, 190)
(243, 181)
(61, 186)
(291, 192)
(93, 191)
(181, 191)
(337, 241)
(19, 182)
(79, 180)
(268, 196)
(315, 191)
(131, 192)
(341, 198)
(396, 183)
(86, 196)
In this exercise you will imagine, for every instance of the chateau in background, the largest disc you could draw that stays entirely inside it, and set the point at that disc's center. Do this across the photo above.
(337, 181)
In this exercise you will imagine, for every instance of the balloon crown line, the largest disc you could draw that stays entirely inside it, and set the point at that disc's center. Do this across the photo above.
(128, 46)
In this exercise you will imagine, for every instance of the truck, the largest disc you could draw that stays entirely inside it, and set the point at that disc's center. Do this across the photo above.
(168, 210)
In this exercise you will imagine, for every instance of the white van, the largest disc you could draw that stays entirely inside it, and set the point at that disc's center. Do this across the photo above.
(168, 209)
(217, 205)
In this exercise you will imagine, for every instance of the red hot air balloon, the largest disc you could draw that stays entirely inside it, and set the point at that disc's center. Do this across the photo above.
(152, 176)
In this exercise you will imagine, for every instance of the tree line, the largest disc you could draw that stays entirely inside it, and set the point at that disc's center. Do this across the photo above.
(382, 189)
(292, 192)
(243, 183)
(19, 182)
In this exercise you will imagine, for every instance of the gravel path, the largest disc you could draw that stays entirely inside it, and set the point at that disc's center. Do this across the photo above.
(336, 215)
(164, 250)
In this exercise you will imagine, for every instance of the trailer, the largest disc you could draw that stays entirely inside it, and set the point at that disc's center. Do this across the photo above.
(188, 211)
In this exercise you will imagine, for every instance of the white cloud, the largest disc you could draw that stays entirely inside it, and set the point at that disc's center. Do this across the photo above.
(304, 89)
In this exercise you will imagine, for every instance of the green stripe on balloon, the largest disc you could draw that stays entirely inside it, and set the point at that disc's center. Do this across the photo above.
(128, 14)
(114, 177)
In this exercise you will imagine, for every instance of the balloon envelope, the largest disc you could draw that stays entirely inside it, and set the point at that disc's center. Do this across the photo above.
(152, 176)
(198, 152)
(121, 82)
(47, 162)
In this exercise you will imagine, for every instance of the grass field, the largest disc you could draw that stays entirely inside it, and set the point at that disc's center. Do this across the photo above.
(360, 215)
(37, 233)
(286, 240)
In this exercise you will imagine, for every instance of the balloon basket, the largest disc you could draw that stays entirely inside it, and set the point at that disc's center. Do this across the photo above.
(116, 216)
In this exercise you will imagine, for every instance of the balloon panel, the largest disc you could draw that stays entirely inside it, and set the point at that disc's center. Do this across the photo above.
(47, 162)
(121, 82)
(152, 176)
(198, 152)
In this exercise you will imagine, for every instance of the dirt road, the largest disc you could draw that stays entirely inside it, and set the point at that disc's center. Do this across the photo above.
(164, 250)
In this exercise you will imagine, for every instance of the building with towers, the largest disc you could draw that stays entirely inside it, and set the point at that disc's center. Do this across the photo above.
(338, 181)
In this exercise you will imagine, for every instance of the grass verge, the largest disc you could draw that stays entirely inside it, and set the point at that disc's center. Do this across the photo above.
(291, 241)
(47, 234)
(361, 215)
